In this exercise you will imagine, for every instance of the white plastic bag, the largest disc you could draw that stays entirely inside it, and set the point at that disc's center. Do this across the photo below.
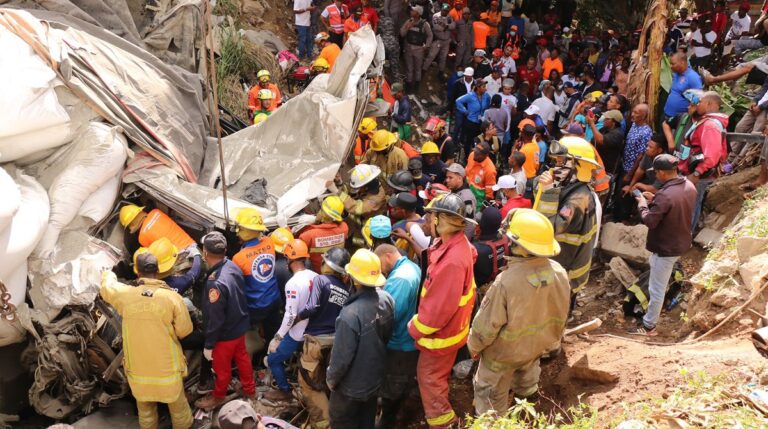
(11, 331)
(96, 156)
(10, 198)
(99, 204)
(26, 228)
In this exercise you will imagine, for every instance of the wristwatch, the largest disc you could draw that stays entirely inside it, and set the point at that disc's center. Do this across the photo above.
(696, 173)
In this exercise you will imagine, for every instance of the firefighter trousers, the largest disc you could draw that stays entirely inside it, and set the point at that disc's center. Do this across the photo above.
(432, 373)
(181, 414)
(492, 388)
(312, 379)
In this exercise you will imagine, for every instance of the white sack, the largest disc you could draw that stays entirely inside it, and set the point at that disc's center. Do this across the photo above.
(10, 198)
(99, 204)
(26, 228)
(11, 331)
(19, 146)
(96, 156)
(29, 102)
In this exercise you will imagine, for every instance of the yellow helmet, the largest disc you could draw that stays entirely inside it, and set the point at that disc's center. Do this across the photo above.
(250, 218)
(263, 73)
(363, 174)
(128, 214)
(333, 207)
(367, 126)
(321, 64)
(366, 231)
(280, 237)
(265, 94)
(365, 268)
(165, 252)
(261, 117)
(532, 231)
(594, 95)
(581, 151)
(382, 140)
(430, 148)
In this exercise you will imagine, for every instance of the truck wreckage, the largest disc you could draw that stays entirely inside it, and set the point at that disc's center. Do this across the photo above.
(93, 119)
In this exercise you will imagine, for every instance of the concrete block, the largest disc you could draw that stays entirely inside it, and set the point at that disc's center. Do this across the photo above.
(627, 242)
(622, 272)
(708, 238)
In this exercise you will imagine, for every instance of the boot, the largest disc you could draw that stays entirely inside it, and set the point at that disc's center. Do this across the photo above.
(389, 409)
(210, 402)
(278, 395)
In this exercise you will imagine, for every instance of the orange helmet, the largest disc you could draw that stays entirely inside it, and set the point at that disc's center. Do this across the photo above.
(296, 249)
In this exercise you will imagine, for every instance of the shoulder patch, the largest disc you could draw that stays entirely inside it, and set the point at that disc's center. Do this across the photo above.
(213, 295)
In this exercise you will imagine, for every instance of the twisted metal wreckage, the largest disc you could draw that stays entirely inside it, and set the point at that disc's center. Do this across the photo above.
(91, 118)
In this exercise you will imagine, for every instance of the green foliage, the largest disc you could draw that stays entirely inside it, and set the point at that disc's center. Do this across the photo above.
(666, 74)
(234, 58)
(732, 103)
(524, 415)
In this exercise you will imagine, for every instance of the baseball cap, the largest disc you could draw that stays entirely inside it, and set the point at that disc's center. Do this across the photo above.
(532, 110)
(445, 6)
(397, 87)
(529, 129)
(526, 122)
(381, 226)
(479, 53)
(233, 413)
(614, 115)
(508, 83)
(505, 182)
(496, 69)
(568, 84)
(665, 162)
(573, 129)
(403, 200)
(215, 242)
(146, 263)
(469, 71)
(418, 9)
(457, 168)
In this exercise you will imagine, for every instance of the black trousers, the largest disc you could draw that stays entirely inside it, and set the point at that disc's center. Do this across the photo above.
(196, 341)
(349, 413)
(336, 38)
(469, 131)
(399, 379)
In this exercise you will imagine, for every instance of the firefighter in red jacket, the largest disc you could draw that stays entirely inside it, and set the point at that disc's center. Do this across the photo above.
(441, 324)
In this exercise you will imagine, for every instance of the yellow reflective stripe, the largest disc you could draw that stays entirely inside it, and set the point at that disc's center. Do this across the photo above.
(640, 295)
(424, 329)
(577, 239)
(442, 343)
(578, 272)
(442, 420)
(465, 298)
(548, 207)
(156, 381)
(581, 285)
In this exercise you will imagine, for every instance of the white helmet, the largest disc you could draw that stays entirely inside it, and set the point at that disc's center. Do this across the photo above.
(363, 174)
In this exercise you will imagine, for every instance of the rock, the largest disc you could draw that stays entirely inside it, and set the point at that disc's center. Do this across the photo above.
(119, 415)
(581, 370)
(713, 268)
(621, 271)
(754, 271)
(719, 317)
(748, 246)
(576, 313)
(716, 221)
(462, 369)
(627, 242)
(746, 322)
(708, 238)
(266, 38)
(725, 297)
(632, 424)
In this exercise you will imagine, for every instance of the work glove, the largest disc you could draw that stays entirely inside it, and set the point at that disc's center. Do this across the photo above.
(208, 354)
(273, 345)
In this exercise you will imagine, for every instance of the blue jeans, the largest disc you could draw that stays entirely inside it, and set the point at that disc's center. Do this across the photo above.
(304, 42)
(661, 270)
(276, 360)
(701, 191)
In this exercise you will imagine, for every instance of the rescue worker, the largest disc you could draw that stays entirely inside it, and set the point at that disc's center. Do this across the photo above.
(441, 324)
(364, 134)
(264, 106)
(148, 227)
(384, 154)
(333, 17)
(329, 292)
(328, 50)
(225, 312)
(445, 147)
(481, 173)
(465, 39)
(329, 231)
(320, 66)
(359, 354)
(256, 259)
(280, 237)
(568, 202)
(179, 270)
(263, 82)
(521, 316)
(417, 35)
(403, 280)
(390, 38)
(290, 336)
(368, 201)
(377, 230)
(401, 181)
(442, 27)
(491, 246)
(154, 319)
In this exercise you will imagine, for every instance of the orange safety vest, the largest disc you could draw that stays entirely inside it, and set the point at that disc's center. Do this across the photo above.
(361, 146)
(158, 225)
(409, 150)
(253, 97)
(336, 18)
(322, 238)
(600, 179)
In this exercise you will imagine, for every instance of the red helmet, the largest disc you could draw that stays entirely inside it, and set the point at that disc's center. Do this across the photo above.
(432, 190)
(434, 124)
(497, 53)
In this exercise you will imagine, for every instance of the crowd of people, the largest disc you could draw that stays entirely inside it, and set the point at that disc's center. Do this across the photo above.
(470, 241)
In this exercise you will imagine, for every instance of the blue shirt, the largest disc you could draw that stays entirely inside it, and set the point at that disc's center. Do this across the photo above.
(225, 308)
(519, 22)
(472, 106)
(181, 282)
(403, 284)
(637, 141)
(676, 103)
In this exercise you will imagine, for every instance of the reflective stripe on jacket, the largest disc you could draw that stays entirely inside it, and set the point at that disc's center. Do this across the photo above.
(322, 238)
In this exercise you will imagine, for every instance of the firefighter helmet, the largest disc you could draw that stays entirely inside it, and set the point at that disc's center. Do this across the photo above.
(333, 207)
(580, 151)
(250, 218)
(362, 175)
(430, 148)
(450, 204)
(321, 36)
(265, 94)
(321, 65)
(128, 214)
(532, 231)
(296, 249)
(280, 237)
(263, 75)
(365, 268)
(367, 126)
(401, 180)
(259, 118)
(165, 252)
(382, 140)
(336, 258)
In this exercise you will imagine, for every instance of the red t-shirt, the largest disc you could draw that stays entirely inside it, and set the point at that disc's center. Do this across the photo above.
(719, 23)
(515, 203)
(532, 77)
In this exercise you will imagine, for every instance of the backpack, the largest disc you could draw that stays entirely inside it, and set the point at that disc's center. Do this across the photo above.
(637, 296)
(499, 249)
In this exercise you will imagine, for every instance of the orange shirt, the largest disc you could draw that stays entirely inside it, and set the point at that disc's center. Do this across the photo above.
(321, 238)
(158, 225)
(481, 31)
(455, 14)
(531, 165)
(549, 65)
(481, 175)
(330, 52)
(253, 97)
(494, 19)
(350, 25)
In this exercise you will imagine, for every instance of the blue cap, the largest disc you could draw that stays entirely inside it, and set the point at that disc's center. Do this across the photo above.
(381, 227)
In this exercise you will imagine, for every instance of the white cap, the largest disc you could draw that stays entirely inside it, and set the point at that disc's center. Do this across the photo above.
(505, 182)
(532, 110)
(469, 71)
(566, 29)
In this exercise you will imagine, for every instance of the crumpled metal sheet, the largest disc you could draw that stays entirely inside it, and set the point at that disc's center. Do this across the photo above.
(302, 144)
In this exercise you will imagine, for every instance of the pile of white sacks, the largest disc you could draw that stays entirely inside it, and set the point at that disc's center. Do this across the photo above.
(60, 173)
